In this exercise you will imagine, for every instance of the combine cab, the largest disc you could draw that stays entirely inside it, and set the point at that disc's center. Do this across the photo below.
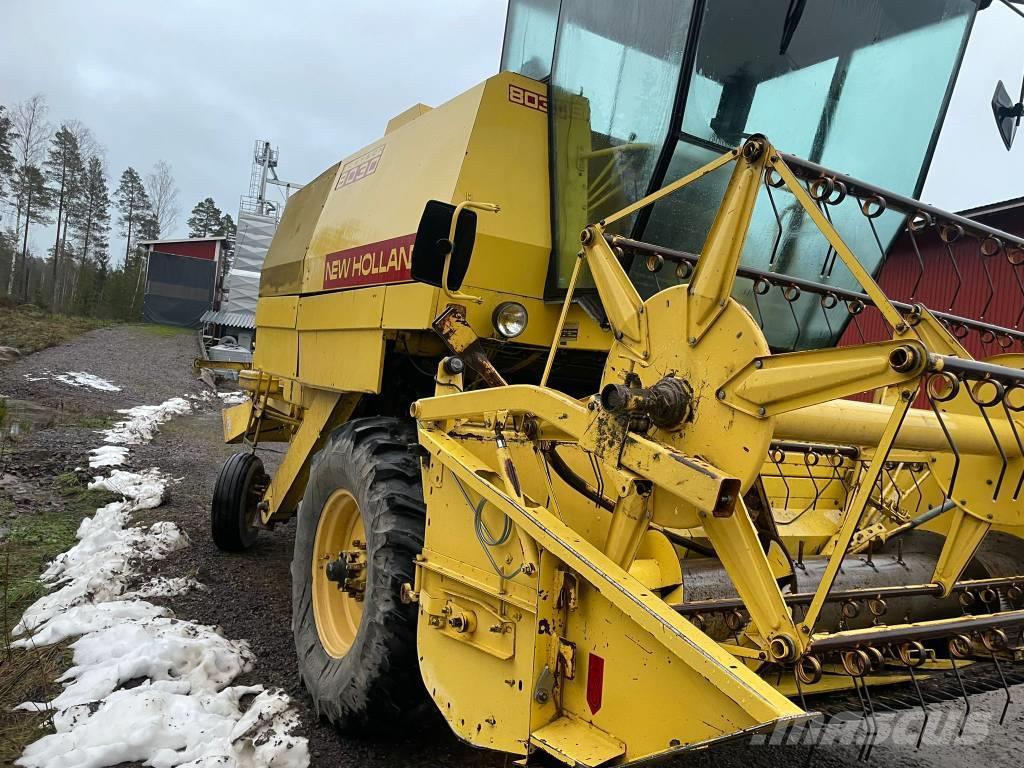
(654, 493)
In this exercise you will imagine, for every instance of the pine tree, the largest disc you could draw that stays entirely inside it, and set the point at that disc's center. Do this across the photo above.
(92, 221)
(134, 208)
(92, 217)
(30, 186)
(228, 229)
(206, 219)
(64, 171)
(149, 227)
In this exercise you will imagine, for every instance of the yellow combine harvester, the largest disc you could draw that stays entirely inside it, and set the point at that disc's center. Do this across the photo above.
(596, 496)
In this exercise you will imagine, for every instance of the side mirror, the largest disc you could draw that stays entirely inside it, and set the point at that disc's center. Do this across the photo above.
(1007, 113)
(433, 245)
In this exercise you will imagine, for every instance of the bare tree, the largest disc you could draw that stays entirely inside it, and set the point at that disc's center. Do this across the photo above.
(88, 146)
(33, 130)
(30, 144)
(163, 196)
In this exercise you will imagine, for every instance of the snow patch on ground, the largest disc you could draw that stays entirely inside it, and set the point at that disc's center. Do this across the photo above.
(84, 618)
(161, 725)
(145, 490)
(107, 456)
(144, 686)
(101, 565)
(154, 649)
(76, 379)
(144, 421)
(83, 379)
(162, 586)
(232, 398)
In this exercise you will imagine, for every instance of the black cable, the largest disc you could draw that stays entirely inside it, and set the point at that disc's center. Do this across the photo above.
(581, 486)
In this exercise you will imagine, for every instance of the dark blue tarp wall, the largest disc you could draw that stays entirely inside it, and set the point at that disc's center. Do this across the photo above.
(178, 289)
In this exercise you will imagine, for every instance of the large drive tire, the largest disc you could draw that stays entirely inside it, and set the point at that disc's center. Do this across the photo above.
(234, 513)
(357, 658)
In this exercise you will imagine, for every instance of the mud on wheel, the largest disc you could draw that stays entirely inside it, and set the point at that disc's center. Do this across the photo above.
(360, 527)
(234, 517)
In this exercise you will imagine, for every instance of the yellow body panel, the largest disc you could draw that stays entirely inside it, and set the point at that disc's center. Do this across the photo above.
(485, 144)
(281, 274)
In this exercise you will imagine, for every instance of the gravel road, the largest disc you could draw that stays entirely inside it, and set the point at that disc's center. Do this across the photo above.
(249, 595)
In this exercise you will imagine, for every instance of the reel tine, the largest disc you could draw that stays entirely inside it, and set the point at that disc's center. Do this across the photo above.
(874, 722)
(825, 270)
(1016, 262)
(834, 461)
(949, 235)
(791, 293)
(778, 224)
(856, 664)
(920, 260)
(983, 405)
(824, 310)
(778, 456)
(757, 303)
(1006, 688)
(984, 257)
(811, 460)
(878, 240)
(855, 308)
(930, 395)
(995, 640)
(837, 194)
(800, 692)
(843, 478)
(924, 707)
(953, 653)
(906, 655)
(864, 715)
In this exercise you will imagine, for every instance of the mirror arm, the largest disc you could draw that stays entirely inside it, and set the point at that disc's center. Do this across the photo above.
(458, 295)
(1019, 106)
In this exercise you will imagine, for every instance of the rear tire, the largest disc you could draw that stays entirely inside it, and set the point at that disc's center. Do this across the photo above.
(234, 513)
(357, 658)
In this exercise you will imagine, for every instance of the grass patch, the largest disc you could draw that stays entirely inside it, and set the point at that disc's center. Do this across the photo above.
(94, 422)
(163, 331)
(34, 538)
(29, 329)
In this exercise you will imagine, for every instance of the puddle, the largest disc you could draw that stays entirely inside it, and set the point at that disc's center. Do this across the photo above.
(19, 417)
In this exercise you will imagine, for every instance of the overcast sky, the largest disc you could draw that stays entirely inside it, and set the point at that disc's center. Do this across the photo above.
(196, 82)
(971, 165)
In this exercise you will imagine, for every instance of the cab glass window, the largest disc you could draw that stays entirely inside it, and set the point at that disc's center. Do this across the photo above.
(857, 87)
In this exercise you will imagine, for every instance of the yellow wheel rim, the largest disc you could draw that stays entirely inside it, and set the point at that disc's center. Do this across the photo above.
(336, 613)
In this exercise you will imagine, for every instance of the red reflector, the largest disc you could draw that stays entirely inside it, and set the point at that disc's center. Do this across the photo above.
(595, 682)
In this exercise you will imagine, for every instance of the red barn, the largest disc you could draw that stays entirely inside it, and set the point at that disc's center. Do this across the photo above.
(967, 277)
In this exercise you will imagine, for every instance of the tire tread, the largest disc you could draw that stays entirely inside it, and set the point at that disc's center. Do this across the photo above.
(378, 680)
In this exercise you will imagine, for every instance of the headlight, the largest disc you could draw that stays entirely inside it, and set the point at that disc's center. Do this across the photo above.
(510, 319)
